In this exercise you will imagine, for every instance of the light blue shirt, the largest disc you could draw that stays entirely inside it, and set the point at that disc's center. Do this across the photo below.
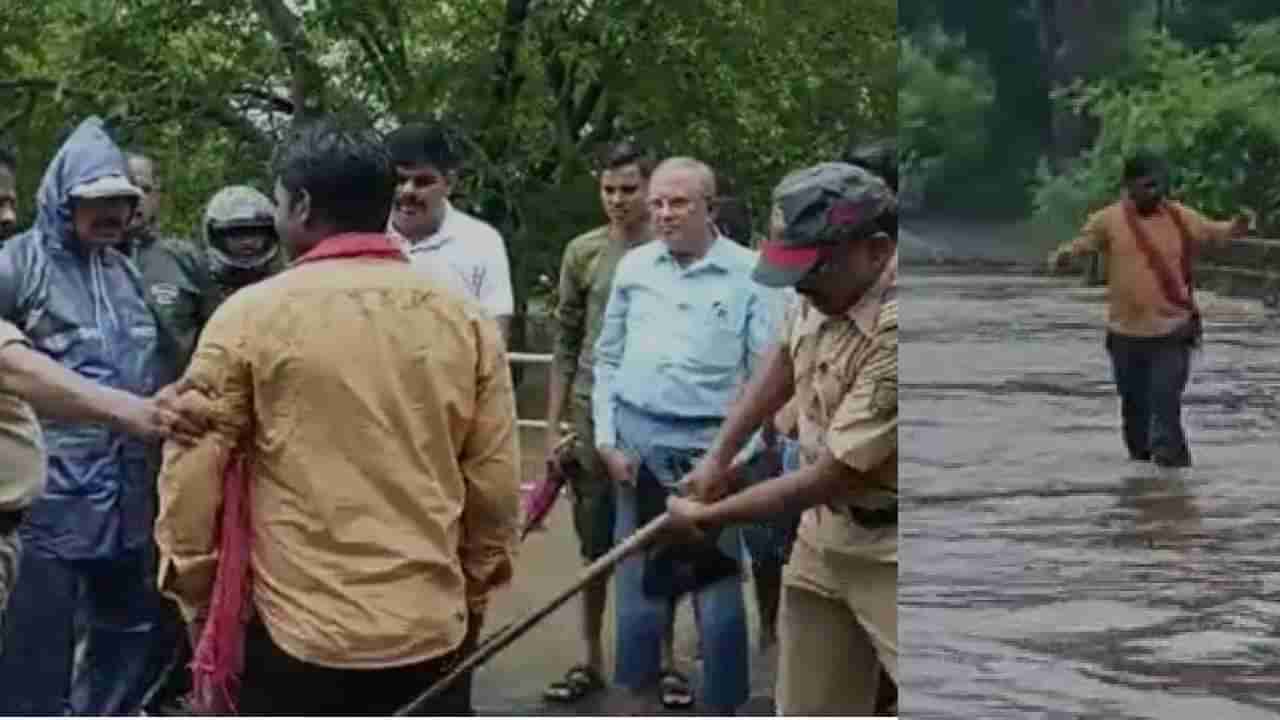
(679, 342)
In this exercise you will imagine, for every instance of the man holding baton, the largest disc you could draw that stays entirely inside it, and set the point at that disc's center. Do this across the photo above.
(833, 236)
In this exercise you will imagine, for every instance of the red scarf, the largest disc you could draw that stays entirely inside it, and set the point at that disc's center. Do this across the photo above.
(219, 657)
(1176, 290)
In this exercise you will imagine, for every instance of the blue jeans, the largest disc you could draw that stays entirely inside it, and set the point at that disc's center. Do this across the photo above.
(790, 455)
(719, 609)
(769, 540)
(120, 602)
(1151, 375)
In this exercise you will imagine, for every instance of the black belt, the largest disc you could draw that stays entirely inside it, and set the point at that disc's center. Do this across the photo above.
(873, 519)
(10, 520)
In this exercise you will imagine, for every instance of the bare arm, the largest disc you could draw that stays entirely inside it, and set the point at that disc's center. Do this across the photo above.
(861, 436)
(57, 392)
(825, 481)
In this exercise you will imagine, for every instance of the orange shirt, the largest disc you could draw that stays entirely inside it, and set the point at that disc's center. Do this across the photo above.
(1136, 304)
(385, 496)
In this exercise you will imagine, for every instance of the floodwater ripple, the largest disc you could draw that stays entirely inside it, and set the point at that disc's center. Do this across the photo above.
(1042, 573)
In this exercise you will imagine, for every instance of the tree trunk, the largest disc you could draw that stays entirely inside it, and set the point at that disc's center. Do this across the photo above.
(307, 84)
(1078, 38)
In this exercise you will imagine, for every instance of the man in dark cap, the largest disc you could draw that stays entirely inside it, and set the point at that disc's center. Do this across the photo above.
(833, 237)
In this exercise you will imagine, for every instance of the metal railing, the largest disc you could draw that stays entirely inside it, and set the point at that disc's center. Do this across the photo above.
(523, 358)
(539, 359)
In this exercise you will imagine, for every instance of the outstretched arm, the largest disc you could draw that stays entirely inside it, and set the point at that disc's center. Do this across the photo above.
(56, 392)
(861, 436)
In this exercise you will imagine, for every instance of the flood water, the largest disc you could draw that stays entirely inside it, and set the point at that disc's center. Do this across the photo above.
(1042, 573)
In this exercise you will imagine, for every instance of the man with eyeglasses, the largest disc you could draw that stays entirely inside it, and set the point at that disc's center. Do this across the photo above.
(833, 237)
(684, 326)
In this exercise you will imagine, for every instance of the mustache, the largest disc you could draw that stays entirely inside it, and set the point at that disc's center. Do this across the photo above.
(108, 225)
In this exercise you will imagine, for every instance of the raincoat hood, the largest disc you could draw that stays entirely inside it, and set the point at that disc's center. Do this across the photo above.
(88, 155)
(84, 307)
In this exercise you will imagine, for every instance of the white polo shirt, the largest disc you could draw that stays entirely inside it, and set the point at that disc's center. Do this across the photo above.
(468, 255)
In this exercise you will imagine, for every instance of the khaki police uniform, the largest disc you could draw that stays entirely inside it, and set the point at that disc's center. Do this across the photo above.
(838, 621)
(22, 470)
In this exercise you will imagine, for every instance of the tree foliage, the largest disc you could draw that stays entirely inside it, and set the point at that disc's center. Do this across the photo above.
(1033, 50)
(943, 103)
(1200, 109)
(755, 87)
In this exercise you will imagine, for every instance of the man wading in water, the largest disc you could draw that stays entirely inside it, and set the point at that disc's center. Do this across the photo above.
(1150, 244)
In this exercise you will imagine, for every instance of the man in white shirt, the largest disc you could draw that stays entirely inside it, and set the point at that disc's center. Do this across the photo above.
(461, 251)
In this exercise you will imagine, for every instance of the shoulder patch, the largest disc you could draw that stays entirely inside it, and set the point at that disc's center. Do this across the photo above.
(165, 294)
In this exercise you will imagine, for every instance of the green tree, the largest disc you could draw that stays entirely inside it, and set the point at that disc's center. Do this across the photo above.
(1198, 107)
(943, 103)
(755, 87)
(1036, 50)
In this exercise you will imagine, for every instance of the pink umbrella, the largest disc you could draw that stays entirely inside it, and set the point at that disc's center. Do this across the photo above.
(542, 498)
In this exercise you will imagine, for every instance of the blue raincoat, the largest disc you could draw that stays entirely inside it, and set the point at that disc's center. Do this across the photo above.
(85, 308)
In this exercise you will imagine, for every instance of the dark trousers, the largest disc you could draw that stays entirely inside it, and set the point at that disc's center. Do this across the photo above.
(1151, 375)
(117, 600)
(171, 659)
(276, 683)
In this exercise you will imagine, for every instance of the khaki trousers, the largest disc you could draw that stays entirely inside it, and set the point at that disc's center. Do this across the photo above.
(838, 625)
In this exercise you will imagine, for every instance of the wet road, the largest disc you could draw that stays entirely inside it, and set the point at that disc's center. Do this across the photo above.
(512, 682)
(1042, 573)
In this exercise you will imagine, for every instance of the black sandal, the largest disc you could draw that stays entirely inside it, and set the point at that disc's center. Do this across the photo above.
(676, 693)
(578, 683)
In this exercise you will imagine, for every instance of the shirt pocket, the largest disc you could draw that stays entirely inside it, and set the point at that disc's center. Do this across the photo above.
(719, 332)
(832, 381)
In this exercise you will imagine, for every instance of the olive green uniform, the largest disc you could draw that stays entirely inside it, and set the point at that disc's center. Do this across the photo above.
(179, 291)
(586, 277)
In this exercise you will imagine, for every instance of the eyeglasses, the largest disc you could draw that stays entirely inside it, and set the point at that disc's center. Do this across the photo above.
(676, 204)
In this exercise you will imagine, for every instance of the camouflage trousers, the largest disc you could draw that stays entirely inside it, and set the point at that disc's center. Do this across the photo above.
(10, 550)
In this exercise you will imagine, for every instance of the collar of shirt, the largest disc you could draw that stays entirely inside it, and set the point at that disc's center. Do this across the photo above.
(866, 312)
(718, 257)
(438, 239)
(616, 236)
(353, 245)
